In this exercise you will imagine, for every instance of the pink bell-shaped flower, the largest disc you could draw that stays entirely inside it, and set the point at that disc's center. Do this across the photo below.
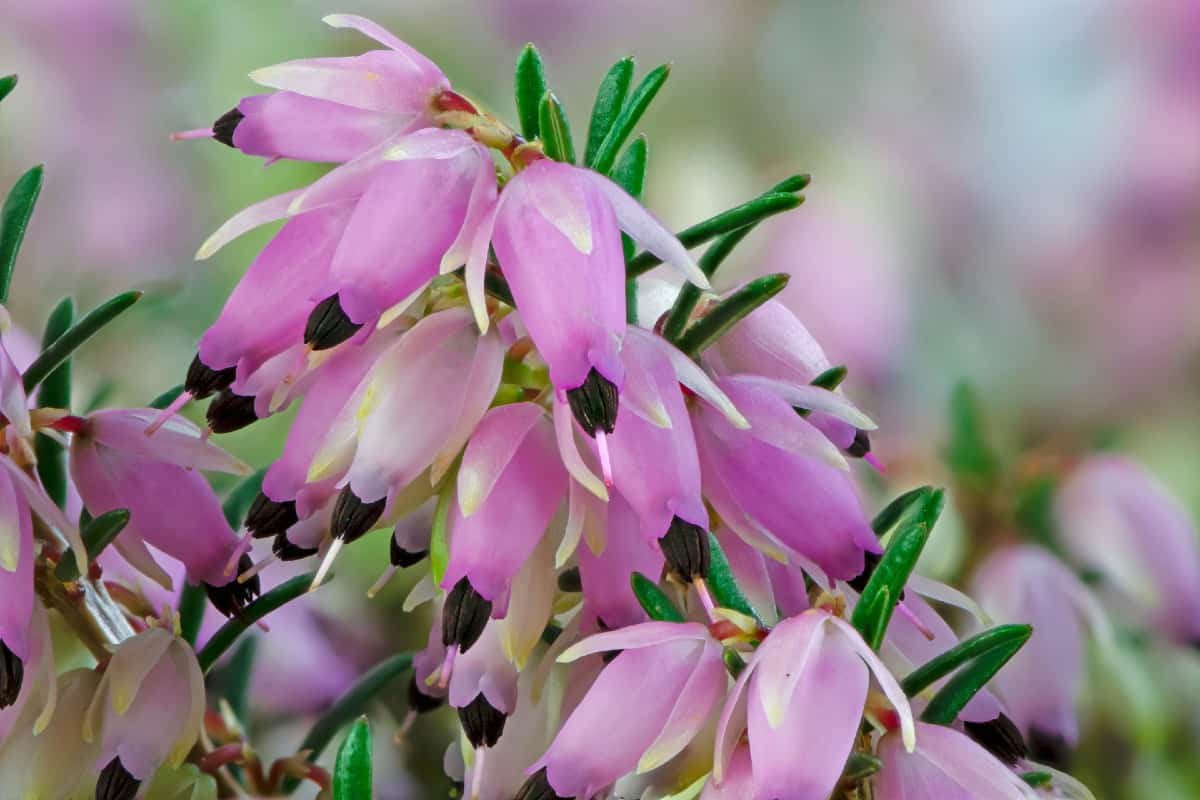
(946, 765)
(148, 707)
(804, 691)
(646, 705)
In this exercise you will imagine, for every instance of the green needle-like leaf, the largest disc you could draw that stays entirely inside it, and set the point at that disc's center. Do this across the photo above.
(969, 455)
(555, 130)
(1037, 779)
(530, 85)
(238, 501)
(945, 706)
(723, 585)
(351, 705)
(630, 175)
(898, 509)
(609, 99)
(728, 312)
(831, 378)
(749, 213)
(14, 219)
(874, 609)
(7, 84)
(192, 604)
(654, 600)
(631, 112)
(55, 393)
(97, 534)
(228, 633)
(352, 771)
(166, 398)
(940, 666)
(80, 332)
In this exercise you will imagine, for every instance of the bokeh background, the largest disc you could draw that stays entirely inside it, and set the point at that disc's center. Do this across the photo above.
(1003, 192)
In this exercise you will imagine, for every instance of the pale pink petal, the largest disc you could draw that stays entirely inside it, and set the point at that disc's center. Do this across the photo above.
(647, 634)
(814, 398)
(564, 431)
(888, 683)
(177, 441)
(703, 689)
(493, 444)
(247, 219)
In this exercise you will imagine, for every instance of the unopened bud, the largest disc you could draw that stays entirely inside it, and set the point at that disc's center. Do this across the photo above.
(1000, 737)
(482, 722)
(268, 518)
(202, 380)
(464, 616)
(285, 550)
(115, 782)
(12, 674)
(232, 598)
(328, 326)
(538, 788)
(352, 518)
(594, 403)
(230, 412)
(405, 558)
(225, 126)
(420, 702)
(686, 549)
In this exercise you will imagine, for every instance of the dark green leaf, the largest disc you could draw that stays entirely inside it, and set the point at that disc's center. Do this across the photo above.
(234, 680)
(898, 509)
(14, 219)
(969, 455)
(723, 585)
(630, 175)
(238, 501)
(55, 393)
(748, 213)
(734, 662)
(943, 709)
(555, 130)
(166, 398)
(861, 765)
(97, 534)
(530, 85)
(631, 111)
(1038, 779)
(228, 633)
(654, 600)
(609, 99)
(192, 604)
(793, 183)
(728, 312)
(831, 378)
(940, 666)
(874, 609)
(7, 84)
(80, 332)
(351, 705)
(352, 772)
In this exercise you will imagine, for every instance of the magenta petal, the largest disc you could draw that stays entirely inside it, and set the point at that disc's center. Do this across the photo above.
(177, 441)
(378, 80)
(605, 576)
(16, 578)
(289, 125)
(946, 765)
(484, 669)
(632, 637)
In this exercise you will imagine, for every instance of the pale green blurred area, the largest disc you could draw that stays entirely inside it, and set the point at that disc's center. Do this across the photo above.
(981, 171)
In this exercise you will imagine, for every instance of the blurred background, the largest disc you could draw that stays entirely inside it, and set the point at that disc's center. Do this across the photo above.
(1006, 193)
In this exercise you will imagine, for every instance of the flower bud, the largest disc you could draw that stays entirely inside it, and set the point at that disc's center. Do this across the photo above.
(352, 518)
(464, 616)
(231, 412)
(538, 788)
(1000, 737)
(115, 782)
(482, 722)
(268, 518)
(686, 549)
(594, 403)
(233, 597)
(285, 550)
(223, 129)
(202, 380)
(328, 326)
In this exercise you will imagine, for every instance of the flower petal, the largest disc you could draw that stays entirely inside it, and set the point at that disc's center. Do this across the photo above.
(635, 636)
(814, 398)
(564, 431)
(248, 219)
(493, 444)
(883, 676)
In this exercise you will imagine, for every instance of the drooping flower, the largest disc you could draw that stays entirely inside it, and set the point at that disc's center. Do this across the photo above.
(1115, 519)
(946, 765)
(148, 707)
(778, 484)
(510, 484)
(483, 689)
(649, 702)
(115, 464)
(557, 235)
(605, 574)
(16, 587)
(333, 109)
(1041, 684)
(804, 691)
